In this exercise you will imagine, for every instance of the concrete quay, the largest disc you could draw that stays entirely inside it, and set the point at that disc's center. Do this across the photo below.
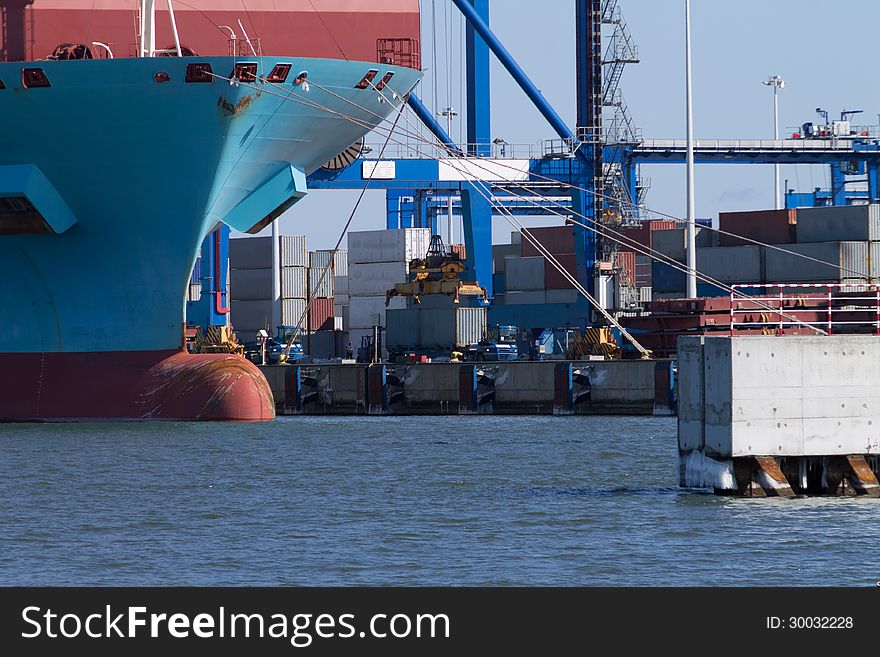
(780, 416)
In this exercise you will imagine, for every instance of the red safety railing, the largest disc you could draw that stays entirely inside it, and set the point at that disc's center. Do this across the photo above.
(786, 307)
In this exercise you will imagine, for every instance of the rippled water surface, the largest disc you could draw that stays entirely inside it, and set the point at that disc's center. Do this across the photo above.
(403, 501)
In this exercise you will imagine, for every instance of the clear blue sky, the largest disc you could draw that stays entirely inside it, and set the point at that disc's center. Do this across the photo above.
(825, 51)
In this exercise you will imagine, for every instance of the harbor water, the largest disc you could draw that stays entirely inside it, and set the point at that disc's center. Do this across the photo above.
(401, 501)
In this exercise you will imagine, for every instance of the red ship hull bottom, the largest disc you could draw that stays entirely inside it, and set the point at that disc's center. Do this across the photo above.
(134, 385)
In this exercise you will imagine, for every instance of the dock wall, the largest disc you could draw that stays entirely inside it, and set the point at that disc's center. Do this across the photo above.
(518, 388)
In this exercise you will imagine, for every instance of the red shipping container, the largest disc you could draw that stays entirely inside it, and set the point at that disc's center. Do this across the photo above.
(556, 239)
(555, 279)
(459, 250)
(626, 261)
(765, 226)
(642, 234)
(321, 314)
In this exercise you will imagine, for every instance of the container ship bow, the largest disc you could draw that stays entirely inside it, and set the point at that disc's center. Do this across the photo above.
(117, 157)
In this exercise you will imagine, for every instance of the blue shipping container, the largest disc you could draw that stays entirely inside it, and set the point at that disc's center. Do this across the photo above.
(666, 278)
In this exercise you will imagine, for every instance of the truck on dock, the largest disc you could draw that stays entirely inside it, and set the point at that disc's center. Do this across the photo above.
(434, 332)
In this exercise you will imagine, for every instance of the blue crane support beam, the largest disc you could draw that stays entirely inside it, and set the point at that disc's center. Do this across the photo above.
(479, 116)
(476, 21)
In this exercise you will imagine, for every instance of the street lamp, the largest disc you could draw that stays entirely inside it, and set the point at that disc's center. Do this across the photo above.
(691, 230)
(449, 113)
(777, 83)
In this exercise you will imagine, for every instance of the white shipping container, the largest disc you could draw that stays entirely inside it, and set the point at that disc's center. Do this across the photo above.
(321, 259)
(388, 245)
(293, 283)
(195, 292)
(293, 251)
(524, 273)
(293, 312)
(840, 223)
(376, 278)
(320, 282)
(365, 312)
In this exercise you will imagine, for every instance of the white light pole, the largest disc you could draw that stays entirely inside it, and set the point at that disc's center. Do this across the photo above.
(691, 203)
(777, 83)
(449, 113)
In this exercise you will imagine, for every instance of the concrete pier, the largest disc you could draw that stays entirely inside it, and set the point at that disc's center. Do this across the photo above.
(514, 388)
(780, 416)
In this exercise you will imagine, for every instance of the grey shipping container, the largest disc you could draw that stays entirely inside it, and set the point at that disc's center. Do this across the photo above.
(340, 284)
(561, 296)
(442, 328)
(519, 297)
(293, 251)
(250, 253)
(848, 260)
(673, 243)
(251, 315)
(845, 223)
(320, 282)
(250, 284)
(502, 251)
(732, 264)
(388, 245)
(256, 252)
(375, 278)
(525, 273)
(322, 344)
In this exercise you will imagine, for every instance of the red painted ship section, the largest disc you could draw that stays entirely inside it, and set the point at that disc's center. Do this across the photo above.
(337, 29)
(145, 385)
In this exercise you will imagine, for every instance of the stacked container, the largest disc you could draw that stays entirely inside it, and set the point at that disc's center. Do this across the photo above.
(377, 261)
(324, 267)
(250, 280)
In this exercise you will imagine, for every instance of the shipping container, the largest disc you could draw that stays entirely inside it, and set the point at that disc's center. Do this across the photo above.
(666, 278)
(373, 279)
(401, 245)
(555, 279)
(556, 239)
(562, 296)
(518, 298)
(322, 344)
(641, 234)
(438, 328)
(294, 283)
(251, 315)
(643, 270)
(765, 226)
(197, 272)
(256, 252)
(625, 261)
(732, 264)
(516, 238)
(499, 282)
(250, 284)
(321, 258)
(365, 312)
(340, 285)
(850, 260)
(846, 223)
(293, 251)
(500, 253)
(195, 292)
(250, 253)
(341, 299)
(645, 294)
(321, 314)
(673, 243)
(525, 273)
(293, 312)
(459, 250)
(320, 282)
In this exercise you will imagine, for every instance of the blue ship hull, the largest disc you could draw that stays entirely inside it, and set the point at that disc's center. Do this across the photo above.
(122, 174)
